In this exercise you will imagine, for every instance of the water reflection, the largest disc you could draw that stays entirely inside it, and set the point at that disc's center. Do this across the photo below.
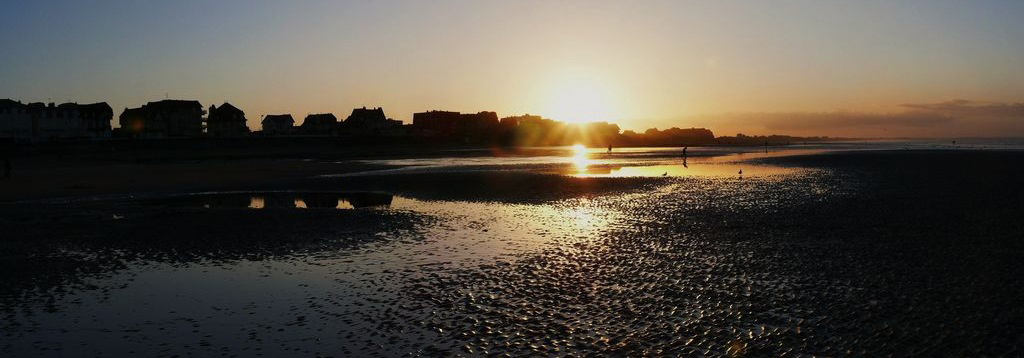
(582, 161)
(583, 164)
(278, 280)
(683, 170)
(579, 158)
(258, 201)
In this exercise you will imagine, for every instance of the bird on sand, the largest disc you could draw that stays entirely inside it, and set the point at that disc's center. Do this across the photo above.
(664, 174)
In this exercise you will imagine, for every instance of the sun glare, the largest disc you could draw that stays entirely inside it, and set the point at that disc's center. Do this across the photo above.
(579, 158)
(578, 98)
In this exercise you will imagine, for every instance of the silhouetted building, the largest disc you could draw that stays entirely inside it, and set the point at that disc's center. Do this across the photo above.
(166, 118)
(466, 126)
(671, 137)
(526, 119)
(598, 133)
(370, 121)
(278, 124)
(533, 130)
(38, 121)
(226, 121)
(324, 123)
(97, 118)
(510, 122)
(435, 122)
(15, 121)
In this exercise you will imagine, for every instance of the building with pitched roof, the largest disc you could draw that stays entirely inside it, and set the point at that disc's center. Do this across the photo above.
(15, 120)
(278, 124)
(319, 124)
(226, 121)
(364, 121)
(166, 118)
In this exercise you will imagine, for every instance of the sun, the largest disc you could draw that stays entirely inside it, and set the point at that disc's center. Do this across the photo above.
(579, 158)
(577, 98)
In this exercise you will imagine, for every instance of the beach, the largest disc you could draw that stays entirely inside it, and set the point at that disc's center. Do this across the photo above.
(803, 251)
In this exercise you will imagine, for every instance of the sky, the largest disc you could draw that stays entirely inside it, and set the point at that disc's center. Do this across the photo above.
(858, 68)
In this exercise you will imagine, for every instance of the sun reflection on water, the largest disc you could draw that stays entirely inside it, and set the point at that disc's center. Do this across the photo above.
(515, 227)
(579, 158)
(691, 170)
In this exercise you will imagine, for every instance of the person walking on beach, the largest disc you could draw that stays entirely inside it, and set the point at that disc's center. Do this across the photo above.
(684, 151)
(609, 148)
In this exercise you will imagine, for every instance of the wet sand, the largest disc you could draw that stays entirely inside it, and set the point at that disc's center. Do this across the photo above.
(51, 178)
(861, 253)
(90, 172)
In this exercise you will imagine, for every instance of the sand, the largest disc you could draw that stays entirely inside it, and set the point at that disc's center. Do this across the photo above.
(868, 254)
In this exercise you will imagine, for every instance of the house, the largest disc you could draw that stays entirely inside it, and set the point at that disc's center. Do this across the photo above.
(465, 126)
(166, 118)
(278, 124)
(50, 121)
(15, 121)
(370, 121)
(320, 124)
(435, 122)
(38, 121)
(226, 121)
(96, 118)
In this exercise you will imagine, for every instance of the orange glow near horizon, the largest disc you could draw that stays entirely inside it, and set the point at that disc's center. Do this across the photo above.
(725, 66)
(576, 96)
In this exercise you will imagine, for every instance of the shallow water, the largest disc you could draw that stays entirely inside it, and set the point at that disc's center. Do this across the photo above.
(598, 162)
(335, 300)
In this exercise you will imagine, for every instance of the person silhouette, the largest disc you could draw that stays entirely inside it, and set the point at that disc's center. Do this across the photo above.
(609, 148)
(684, 151)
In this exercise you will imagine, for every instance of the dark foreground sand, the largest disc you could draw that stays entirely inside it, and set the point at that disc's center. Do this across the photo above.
(914, 253)
(51, 178)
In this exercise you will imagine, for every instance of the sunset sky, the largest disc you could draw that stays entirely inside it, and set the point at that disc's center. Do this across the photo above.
(857, 68)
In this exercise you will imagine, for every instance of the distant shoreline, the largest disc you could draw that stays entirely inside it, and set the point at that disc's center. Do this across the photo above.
(100, 169)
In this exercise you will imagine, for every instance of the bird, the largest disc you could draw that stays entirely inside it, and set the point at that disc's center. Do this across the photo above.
(664, 174)
(741, 171)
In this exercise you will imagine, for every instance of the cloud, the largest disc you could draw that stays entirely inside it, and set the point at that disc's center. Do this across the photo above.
(827, 123)
(832, 120)
(964, 107)
(954, 118)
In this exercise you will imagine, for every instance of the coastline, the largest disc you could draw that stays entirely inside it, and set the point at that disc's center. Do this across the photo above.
(96, 171)
(85, 174)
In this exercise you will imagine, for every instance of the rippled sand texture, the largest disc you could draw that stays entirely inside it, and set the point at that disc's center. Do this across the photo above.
(867, 254)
